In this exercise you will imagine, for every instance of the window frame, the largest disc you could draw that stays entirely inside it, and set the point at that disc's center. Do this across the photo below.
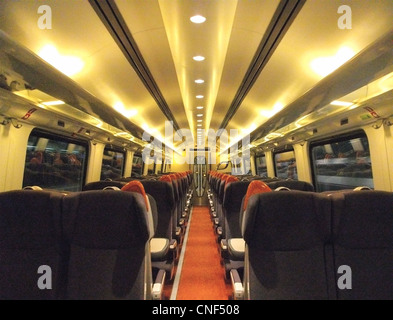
(357, 134)
(118, 150)
(40, 133)
(291, 149)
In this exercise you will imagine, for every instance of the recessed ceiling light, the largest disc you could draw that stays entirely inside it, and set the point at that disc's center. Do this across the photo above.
(199, 107)
(199, 120)
(199, 58)
(198, 19)
(199, 125)
(199, 81)
(199, 96)
(200, 115)
(53, 103)
(69, 65)
(341, 103)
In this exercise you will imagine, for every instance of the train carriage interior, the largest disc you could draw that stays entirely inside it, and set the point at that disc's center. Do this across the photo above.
(196, 150)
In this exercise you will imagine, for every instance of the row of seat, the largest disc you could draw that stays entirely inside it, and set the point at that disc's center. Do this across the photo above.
(98, 244)
(318, 246)
(225, 195)
(308, 245)
(91, 245)
(172, 192)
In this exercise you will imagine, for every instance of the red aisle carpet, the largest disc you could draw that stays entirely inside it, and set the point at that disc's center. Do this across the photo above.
(202, 276)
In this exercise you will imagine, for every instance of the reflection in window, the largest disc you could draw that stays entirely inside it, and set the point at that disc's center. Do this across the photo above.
(54, 162)
(112, 164)
(261, 167)
(343, 163)
(285, 165)
(137, 166)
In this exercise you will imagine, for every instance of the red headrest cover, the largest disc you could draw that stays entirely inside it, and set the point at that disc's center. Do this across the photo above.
(255, 187)
(136, 186)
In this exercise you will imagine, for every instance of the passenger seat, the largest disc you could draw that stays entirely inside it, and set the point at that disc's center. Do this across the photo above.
(32, 254)
(363, 244)
(108, 233)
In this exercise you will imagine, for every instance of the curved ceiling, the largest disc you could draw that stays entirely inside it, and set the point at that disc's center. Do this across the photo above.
(138, 54)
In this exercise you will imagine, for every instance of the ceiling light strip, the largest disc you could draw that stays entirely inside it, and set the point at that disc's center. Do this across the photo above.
(111, 17)
(285, 14)
(371, 63)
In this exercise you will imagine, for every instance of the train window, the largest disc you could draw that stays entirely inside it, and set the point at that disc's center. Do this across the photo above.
(260, 164)
(137, 165)
(112, 164)
(342, 163)
(285, 165)
(54, 162)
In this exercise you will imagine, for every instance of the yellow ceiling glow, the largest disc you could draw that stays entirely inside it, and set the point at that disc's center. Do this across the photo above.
(326, 65)
(341, 103)
(119, 107)
(198, 58)
(198, 19)
(270, 113)
(69, 65)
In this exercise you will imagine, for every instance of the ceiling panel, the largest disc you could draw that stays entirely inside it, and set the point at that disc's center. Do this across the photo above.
(145, 23)
(77, 31)
(313, 34)
(249, 26)
(167, 41)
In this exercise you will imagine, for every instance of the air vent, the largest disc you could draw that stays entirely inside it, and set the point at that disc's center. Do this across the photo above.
(61, 123)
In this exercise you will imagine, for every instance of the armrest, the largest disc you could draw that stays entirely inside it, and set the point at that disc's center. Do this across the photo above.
(224, 244)
(173, 244)
(158, 286)
(159, 248)
(236, 247)
(237, 285)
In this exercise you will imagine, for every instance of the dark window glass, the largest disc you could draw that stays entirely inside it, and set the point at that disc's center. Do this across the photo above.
(54, 162)
(137, 165)
(261, 169)
(342, 163)
(285, 165)
(112, 164)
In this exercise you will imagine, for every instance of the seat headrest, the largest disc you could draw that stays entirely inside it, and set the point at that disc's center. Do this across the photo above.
(173, 176)
(360, 188)
(112, 188)
(255, 187)
(32, 188)
(230, 179)
(136, 186)
(224, 176)
(166, 178)
(282, 189)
